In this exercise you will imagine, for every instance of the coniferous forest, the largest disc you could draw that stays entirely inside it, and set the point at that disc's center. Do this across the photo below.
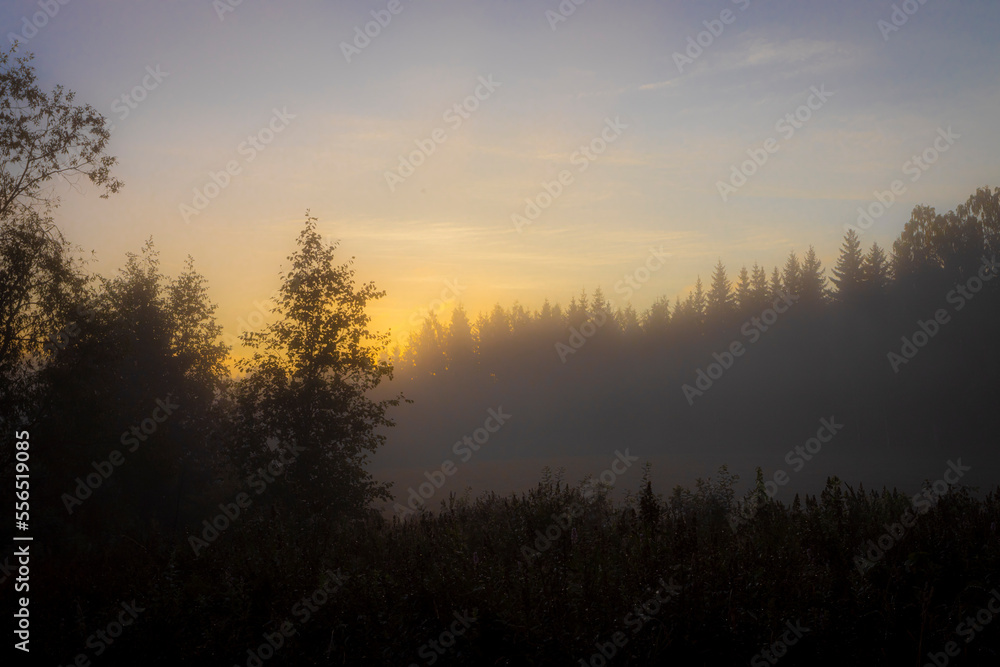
(197, 502)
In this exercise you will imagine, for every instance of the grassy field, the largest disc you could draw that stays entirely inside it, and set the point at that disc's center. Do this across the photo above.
(557, 576)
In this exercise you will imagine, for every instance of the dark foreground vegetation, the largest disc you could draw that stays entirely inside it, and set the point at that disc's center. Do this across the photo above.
(729, 595)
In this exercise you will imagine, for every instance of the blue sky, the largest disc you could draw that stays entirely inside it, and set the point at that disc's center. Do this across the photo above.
(654, 186)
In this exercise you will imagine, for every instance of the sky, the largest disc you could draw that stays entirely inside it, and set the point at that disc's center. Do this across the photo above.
(418, 148)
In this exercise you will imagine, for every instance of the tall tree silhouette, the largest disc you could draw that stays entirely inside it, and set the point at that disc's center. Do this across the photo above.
(696, 303)
(657, 317)
(876, 269)
(43, 135)
(42, 299)
(195, 336)
(744, 290)
(911, 252)
(628, 321)
(600, 308)
(493, 335)
(147, 346)
(812, 282)
(958, 242)
(759, 290)
(719, 300)
(429, 356)
(776, 285)
(791, 276)
(578, 311)
(550, 320)
(984, 208)
(460, 346)
(306, 384)
(945, 245)
(519, 318)
(848, 274)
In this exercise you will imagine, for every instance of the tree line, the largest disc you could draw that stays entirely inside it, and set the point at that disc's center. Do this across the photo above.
(933, 248)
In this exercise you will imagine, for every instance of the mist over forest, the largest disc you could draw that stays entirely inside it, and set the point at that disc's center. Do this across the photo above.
(857, 343)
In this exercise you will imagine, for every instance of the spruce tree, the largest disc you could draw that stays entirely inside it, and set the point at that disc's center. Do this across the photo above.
(459, 344)
(692, 310)
(792, 274)
(719, 301)
(848, 274)
(875, 269)
(657, 318)
(759, 290)
(812, 282)
(744, 290)
(776, 286)
(627, 320)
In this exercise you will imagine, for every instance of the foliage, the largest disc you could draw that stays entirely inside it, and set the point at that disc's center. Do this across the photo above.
(307, 380)
(404, 581)
(43, 135)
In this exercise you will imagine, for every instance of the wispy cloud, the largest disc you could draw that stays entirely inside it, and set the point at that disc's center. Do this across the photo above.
(659, 84)
(785, 58)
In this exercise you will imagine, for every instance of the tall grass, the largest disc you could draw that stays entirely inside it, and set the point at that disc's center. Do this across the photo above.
(405, 580)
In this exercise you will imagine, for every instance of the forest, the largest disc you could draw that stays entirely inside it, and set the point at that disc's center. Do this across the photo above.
(195, 503)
